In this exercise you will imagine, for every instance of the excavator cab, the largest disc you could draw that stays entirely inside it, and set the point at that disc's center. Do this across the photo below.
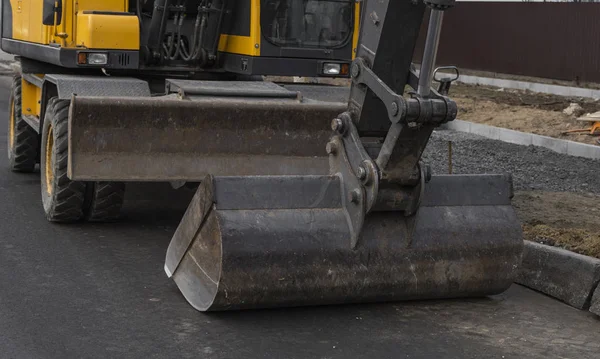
(210, 39)
(251, 37)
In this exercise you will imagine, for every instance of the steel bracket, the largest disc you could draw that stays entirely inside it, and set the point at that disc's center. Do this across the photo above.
(395, 104)
(433, 109)
(359, 175)
(413, 78)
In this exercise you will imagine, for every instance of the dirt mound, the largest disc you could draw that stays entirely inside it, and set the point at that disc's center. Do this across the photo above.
(523, 111)
(563, 219)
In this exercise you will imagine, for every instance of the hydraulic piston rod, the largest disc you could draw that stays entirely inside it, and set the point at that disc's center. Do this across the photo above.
(430, 53)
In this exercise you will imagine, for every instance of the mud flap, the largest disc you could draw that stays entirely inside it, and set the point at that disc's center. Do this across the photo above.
(263, 242)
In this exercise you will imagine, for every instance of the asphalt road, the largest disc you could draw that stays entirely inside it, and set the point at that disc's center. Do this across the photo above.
(99, 291)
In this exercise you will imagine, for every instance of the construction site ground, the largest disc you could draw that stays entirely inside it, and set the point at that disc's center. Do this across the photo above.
(99, 291)
(517, 110)
(557, 197)
(564, 206)
(523, 111)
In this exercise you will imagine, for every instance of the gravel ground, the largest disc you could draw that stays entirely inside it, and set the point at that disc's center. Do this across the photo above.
(532, 168)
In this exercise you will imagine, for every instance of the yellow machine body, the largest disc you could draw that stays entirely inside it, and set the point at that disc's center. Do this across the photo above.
(77, 28)
(100, 31)
(245, 45)
(110, 25)
(30, 98)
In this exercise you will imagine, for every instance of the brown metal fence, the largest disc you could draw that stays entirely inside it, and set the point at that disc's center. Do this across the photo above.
(550, 40)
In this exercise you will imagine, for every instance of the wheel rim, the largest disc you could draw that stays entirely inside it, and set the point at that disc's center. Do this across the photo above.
(49, 155)
(11, 125)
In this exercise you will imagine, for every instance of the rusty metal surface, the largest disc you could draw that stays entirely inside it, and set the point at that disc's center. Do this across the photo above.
(548, 40)
(258, 89)
(271, 256)
(69, 85)
(165, 138)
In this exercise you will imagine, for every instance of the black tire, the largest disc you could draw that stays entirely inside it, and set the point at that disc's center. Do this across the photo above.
(62, 198)
(65, 200)
(23, 141)
(104, 201)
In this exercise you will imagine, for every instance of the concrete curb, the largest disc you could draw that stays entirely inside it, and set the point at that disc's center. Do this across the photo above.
(521, 138)
(564, 275)
(531, 86)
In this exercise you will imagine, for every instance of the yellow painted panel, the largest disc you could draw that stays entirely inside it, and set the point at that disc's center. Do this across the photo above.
(245, 45)
(17, 19)
(37, 32)
(25, 15)
(74, 7)
(356, 29)
(27, 19)
(31, 96)
(96, 31)
(102, 5)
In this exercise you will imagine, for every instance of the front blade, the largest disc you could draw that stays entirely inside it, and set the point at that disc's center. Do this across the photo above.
(168, 139)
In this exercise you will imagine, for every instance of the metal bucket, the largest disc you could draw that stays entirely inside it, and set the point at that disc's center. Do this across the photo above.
(262, 242)
(174, 138)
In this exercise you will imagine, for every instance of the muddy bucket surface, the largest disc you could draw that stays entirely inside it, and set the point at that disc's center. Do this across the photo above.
(262, 242)
(171, 139)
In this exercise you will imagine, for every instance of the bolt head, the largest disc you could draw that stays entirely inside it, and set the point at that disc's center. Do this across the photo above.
(337, 125)
(331, 148)
(362, 173)
(355, 196)
(355, 70)
(394, 109)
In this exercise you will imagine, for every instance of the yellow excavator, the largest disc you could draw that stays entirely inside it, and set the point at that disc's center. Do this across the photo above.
(299, 201)
(141, 49)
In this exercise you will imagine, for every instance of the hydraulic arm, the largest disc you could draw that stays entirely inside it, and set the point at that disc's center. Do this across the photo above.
(379, 226)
